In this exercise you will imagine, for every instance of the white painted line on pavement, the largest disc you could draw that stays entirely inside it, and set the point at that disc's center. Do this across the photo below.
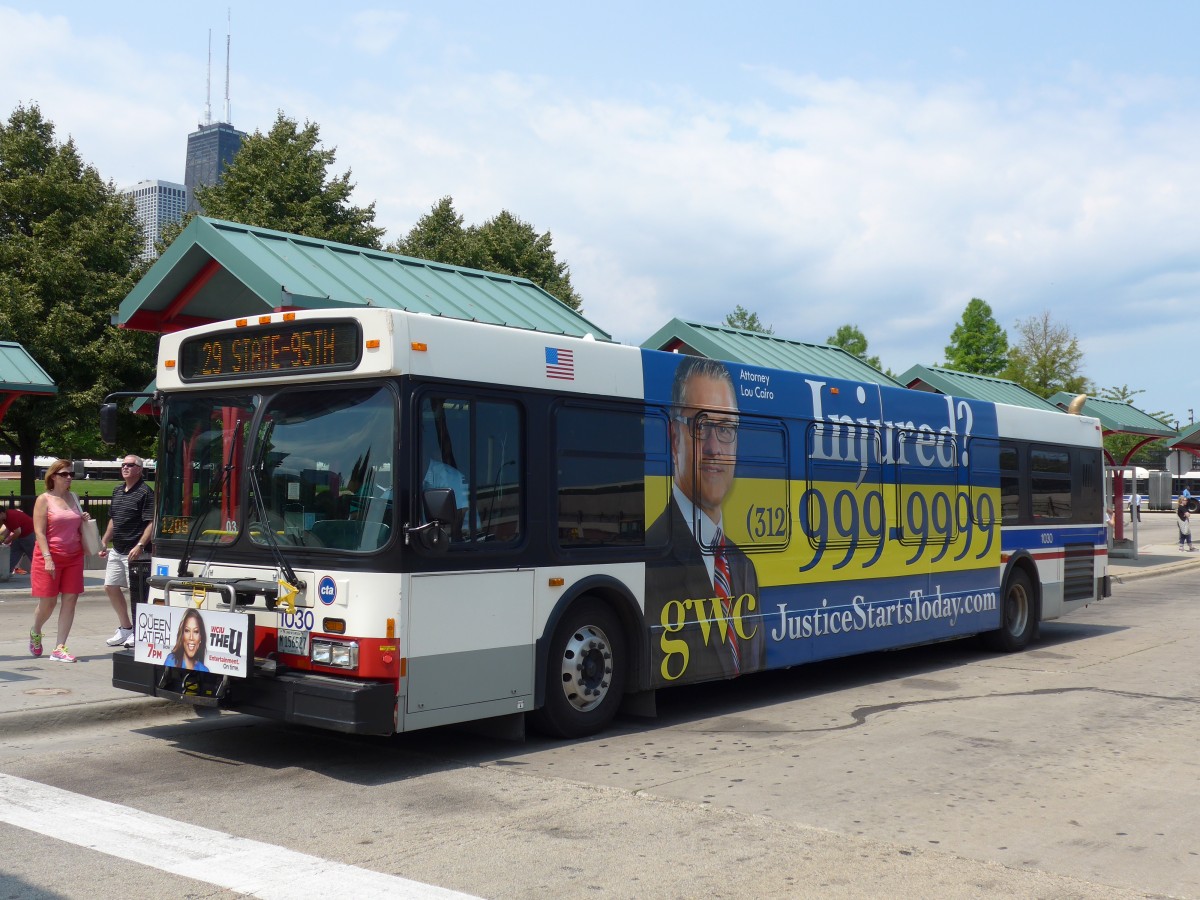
(247, 866)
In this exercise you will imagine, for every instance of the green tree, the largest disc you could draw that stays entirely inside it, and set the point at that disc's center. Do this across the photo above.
(509, 245)
(69, 249)
(503, 244)
(438, 235)
(281, 180)
(851, 339)
(1047, 358)
(977, 344)
(1122, 394)
(747, 321)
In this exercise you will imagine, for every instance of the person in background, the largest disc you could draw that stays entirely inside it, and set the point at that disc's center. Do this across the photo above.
(1135, 507)
(130, 524)
(439, 473)
(57, 563)
(16, 531)
(1185, 524)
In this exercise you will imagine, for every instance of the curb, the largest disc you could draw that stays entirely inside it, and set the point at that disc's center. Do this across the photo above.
(97, 712)
(1155, 571)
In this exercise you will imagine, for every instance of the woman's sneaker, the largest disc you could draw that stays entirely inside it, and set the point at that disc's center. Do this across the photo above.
(61, 654)
(35, 643)
(120, 636)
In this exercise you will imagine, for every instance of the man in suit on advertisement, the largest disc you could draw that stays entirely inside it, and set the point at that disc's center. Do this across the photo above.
(704, 592)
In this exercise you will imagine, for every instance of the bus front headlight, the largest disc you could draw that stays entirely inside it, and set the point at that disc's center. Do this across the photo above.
(342, 654)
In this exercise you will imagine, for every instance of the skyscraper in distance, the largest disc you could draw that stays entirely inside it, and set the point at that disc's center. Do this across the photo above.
(213, 144)
(157, 203)
(209, 150)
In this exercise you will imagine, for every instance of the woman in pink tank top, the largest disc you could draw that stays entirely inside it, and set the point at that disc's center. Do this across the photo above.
(57, 565)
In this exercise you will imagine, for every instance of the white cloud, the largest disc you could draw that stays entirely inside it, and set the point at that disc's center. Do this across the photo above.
(813, 202)
(376, 31)
(867, 203)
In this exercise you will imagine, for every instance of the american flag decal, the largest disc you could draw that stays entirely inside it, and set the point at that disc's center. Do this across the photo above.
(560, 364)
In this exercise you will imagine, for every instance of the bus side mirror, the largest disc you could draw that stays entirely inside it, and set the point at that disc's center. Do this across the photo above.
(434, 535)
(108, 423)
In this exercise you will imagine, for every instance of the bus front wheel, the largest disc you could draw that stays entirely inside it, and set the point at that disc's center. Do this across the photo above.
(1018, 615)
(585, 672)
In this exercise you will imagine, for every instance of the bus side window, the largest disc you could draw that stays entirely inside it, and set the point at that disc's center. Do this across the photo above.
(1050, 483)
(1010, 484)
(473, 447)
(601, 474)
(498, 464)
(927, 487)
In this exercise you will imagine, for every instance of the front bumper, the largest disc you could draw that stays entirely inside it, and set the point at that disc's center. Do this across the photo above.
(337, 704)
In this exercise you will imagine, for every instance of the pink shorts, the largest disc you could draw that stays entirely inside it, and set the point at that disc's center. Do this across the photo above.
(67, 577)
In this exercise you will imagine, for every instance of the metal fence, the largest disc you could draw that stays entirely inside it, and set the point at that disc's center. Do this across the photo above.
(97, 507)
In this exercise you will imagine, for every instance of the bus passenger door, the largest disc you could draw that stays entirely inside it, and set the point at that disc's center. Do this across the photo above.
(468, 639)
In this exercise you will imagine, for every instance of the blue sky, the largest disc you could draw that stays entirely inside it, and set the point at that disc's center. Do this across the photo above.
(870, 163)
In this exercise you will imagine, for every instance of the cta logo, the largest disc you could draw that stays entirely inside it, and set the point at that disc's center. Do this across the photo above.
(327, 590)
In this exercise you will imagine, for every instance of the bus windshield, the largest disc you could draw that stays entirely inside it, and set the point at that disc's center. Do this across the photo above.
(199, 467)
(322, 465)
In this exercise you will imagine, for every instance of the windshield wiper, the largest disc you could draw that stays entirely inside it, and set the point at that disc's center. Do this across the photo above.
(221, 486)
(261, 508)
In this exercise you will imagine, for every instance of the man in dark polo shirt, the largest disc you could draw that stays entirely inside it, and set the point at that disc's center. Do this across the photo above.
(130, 524)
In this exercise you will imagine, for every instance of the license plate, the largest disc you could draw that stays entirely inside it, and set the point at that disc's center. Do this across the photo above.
(292, 642)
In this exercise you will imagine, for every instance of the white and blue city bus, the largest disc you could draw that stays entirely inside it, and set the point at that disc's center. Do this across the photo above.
(388, 521)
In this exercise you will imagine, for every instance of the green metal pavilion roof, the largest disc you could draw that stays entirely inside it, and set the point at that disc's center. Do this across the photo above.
(1188, 439)
(220, 270)
(755, 348)
(1118, 417)
(20, 374)
(975, 387)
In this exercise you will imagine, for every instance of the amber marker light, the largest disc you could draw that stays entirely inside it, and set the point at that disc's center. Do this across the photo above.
(264, 320)
(557, 582)
(373, 344)
(834, 390)
(333, 626)
(240, 323)
(391, 629)
(289, 317)
(420, 346)
(168, 363)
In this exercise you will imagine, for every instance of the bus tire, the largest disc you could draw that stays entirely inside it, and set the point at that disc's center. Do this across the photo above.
(585, 672)
(1018, 615)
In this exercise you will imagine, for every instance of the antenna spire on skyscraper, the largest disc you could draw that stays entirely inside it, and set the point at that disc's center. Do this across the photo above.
(212, 145)
(208, 84)
(228, 34)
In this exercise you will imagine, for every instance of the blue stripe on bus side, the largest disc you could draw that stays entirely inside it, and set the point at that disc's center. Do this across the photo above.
(1036, 537)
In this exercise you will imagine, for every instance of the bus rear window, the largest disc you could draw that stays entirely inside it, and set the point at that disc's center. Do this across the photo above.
(601, 475)
(1050, 483)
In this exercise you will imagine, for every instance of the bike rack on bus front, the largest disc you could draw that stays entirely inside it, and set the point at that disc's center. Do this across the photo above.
(192, 682)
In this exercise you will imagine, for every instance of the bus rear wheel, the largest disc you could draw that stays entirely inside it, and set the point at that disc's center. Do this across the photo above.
(1018, 615)
(585, 672)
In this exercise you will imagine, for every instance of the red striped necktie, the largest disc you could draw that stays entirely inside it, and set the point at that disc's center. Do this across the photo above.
(722, 584)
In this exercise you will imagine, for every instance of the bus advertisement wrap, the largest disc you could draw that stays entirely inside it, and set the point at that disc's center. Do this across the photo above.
(765, 570)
